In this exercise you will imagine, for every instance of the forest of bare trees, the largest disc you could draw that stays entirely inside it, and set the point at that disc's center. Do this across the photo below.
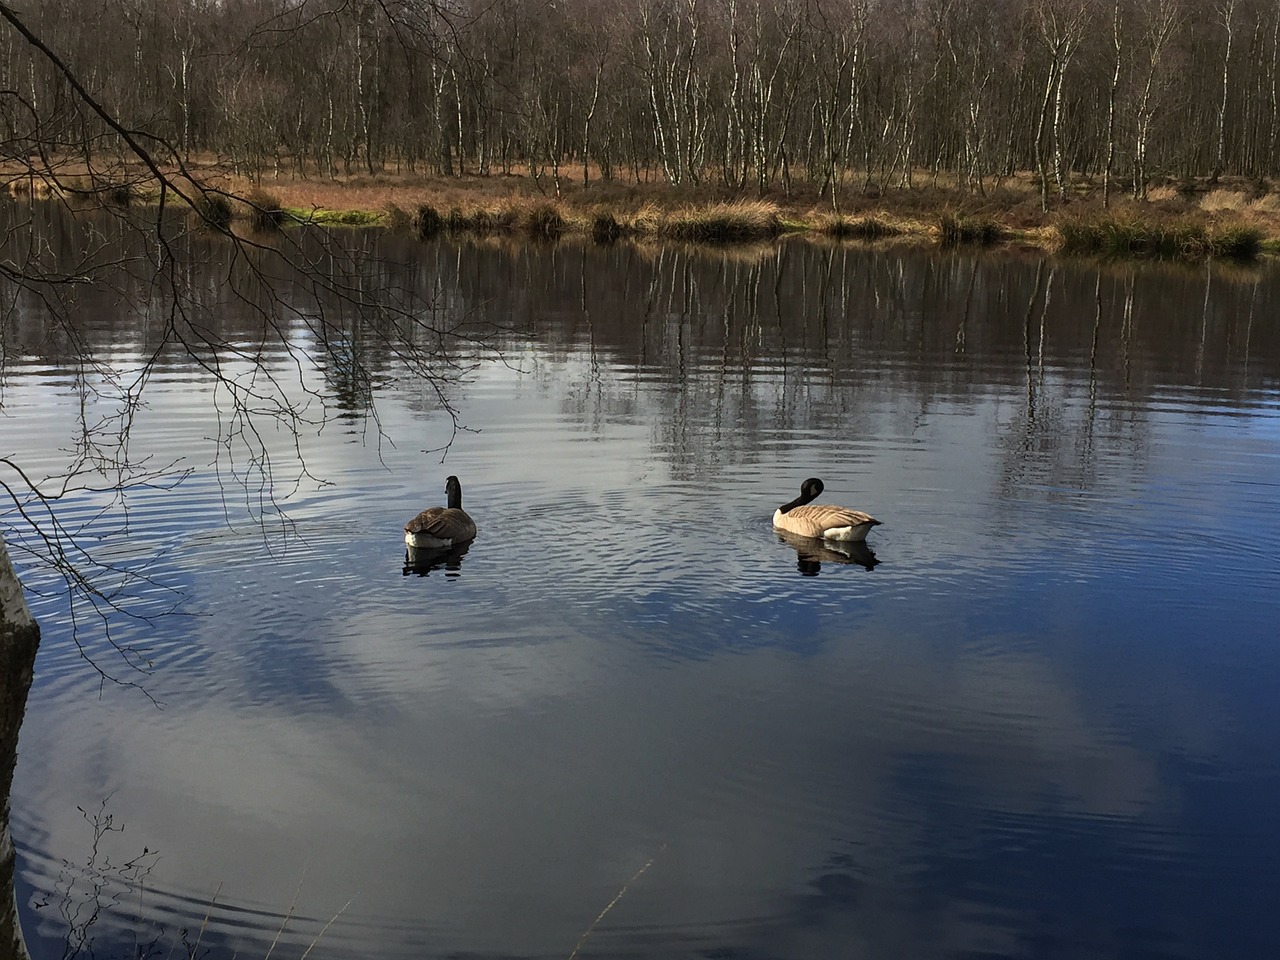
(746, 93)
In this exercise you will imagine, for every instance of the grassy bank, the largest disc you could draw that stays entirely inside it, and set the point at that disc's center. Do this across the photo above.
(1226, 220)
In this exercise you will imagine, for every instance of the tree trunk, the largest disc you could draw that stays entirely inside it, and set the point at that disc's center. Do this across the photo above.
(1227, 11)
(1117, 38)
(19, 639)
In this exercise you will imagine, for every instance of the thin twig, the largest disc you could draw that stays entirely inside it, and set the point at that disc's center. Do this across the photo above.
(612, 903)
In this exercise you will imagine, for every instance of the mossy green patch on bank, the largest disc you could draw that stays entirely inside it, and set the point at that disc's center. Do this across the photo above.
(345, 218)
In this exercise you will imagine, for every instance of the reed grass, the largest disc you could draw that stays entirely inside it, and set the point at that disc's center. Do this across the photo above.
(724, 222)
(120, 194)
(455, 221)
(956, 230)
(396, 217)
(1129, 236)
(645, 220)
(265, 212)
(1238, 242)
(605, 227)
(858, 228)
(427, 221)
(1268, 203)
(501, 219)
(544, 222)
(214, 210)
(1220, 199)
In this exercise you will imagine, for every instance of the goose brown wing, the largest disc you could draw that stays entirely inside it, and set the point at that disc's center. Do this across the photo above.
(422, 522)
(446, 523)
(812, 519)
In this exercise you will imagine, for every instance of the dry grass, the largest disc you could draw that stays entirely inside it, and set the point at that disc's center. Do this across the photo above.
(1268, 205)
(264, 211)
(1130, 234)
(215, 211)
(956, 230)
(1007, 209)
(744, 220)
(871, 226)
(1220, 199)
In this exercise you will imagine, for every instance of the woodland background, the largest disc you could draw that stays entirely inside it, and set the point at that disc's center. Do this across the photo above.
(747, 94)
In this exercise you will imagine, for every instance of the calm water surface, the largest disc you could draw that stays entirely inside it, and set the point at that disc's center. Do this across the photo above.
(1040, 721)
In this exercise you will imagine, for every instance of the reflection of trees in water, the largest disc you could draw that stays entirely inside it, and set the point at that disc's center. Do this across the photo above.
(743, 352)
(733, 353)
(1091, 387)
(1051, 442)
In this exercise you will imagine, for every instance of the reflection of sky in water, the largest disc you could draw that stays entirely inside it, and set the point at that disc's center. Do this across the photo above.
(1043, 724)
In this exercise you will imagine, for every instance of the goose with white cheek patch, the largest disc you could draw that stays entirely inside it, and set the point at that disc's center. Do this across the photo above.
(822, 521)
(442, 526)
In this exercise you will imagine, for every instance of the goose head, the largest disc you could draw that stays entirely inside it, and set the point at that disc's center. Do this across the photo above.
(809, 491)
(453, 493)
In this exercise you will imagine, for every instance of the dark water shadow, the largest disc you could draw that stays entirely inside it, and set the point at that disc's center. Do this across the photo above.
(812, 554)
(420, 561)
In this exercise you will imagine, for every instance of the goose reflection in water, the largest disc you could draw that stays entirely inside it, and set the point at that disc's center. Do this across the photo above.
(811, 553)
(421, 561)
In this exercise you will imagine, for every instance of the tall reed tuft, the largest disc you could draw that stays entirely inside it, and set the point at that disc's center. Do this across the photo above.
(955, 230)
(725, 223)
(1238, 242)
(491, 220)
(427, 221)
(214, 211)
(605, 228)
(121, 194)
(544, 222)
(1130, 236)
(396, 217)
(266, 214)
(858, 228)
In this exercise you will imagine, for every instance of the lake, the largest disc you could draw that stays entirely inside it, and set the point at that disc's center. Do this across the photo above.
(1035, 718)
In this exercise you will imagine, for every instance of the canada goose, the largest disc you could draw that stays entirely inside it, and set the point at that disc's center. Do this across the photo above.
(824, 521)
(441, 526)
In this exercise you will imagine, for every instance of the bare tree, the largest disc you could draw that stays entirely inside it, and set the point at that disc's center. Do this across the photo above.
(1161, 19)
(756, 89)
(1061, 27)
(1225, 11)
(1117, 41)
(308, 280)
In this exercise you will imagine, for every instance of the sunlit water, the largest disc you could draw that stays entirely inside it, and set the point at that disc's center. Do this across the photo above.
(1039, 721)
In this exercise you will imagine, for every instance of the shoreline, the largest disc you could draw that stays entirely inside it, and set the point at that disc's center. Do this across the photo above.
(1230, 219)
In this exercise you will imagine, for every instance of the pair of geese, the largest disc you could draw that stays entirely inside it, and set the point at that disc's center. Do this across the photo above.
(440, 527)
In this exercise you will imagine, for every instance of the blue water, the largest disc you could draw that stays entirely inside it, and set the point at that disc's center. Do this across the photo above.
(1039, 722)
